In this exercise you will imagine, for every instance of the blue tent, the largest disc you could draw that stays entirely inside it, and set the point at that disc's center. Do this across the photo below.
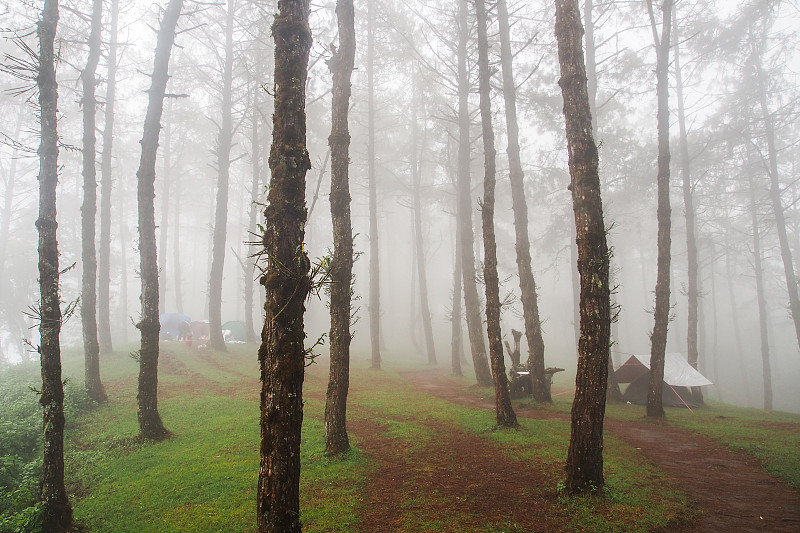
(171, 325)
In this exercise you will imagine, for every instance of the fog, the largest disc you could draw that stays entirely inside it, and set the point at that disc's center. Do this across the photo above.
(728, 147)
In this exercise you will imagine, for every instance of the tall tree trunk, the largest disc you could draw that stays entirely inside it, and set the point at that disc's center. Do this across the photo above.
(215, 339)
(591, 83)
(91, 347)
(56, 509)
(775, 195)
(10, 183)
(255, 189)
(419, 242)
(176, 247)
(505, 414)
(613, 392)
(163, 227)
(585, 455)
(124, 317)
(693, 260)
(658, 338)
(150, 424)
(591, 60)
(714, 354)
(341, 66)
(455, 317)
(761, 298)
(374, 251)
(104, 249)
(281, 355)
(729, 272)
(527, 283)
(477, 344)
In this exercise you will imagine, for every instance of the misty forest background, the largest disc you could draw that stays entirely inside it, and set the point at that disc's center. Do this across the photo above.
(738, 77)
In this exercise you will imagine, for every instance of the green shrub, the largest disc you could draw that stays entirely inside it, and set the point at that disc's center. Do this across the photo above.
(20, 443)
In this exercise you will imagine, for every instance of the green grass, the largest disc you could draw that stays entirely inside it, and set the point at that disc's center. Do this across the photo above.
(639, 497)
(771, 437)
(204, 477)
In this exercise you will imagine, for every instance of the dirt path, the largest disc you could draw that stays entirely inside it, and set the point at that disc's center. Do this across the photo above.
(732, 491)
(461, 486)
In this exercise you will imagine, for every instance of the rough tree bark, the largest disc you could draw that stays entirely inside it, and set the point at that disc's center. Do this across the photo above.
(104, 247)
(374, 250)
(150, 424)
(527, 283)
(341, 66)
(215, 339)
(91, 347)
(477, 344)
(613, 392)
(692, 257)
(585, 455)
(286, 282)
(56, 509)
(658, 338)
(505, 413)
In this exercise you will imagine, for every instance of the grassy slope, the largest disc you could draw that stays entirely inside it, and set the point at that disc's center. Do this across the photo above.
(204, 477)
(771, 437)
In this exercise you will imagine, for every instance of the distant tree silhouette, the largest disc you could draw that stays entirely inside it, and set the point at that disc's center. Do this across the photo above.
(150, 424)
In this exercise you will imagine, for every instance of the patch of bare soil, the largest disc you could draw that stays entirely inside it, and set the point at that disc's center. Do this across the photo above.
(452, 478)
(732, 491)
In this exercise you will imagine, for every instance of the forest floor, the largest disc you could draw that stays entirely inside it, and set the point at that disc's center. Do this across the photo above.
(731, 490)
(426, 457)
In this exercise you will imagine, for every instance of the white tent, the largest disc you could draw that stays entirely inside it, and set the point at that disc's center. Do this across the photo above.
(678, 376)
(677, 371)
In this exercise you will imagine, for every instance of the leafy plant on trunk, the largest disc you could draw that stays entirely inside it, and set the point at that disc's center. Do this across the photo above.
(286, 281)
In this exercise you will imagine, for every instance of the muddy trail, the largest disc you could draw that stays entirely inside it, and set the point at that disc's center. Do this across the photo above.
(441, 484)
(732, 491)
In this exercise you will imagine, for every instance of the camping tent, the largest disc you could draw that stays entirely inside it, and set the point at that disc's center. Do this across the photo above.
(236, 331)
(679, 376)
(200, 332)
(171, 325)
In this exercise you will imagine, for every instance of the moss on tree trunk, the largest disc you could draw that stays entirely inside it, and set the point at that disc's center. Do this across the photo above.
(286, 281)
(585, 455)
